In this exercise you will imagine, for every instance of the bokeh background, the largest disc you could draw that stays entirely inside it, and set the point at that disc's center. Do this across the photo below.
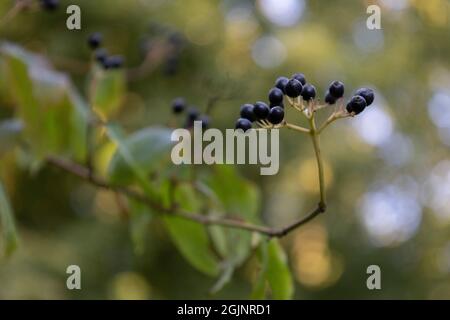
(387, 170)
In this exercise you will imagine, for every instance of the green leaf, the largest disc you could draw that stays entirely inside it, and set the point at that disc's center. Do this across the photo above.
(54, 116)
(274, 271)
(190, 237)
(110, 88)
(140, 219)
(10, 131)
(139, 154)
(7, 223)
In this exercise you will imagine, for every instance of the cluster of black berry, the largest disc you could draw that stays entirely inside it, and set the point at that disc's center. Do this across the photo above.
(179, 106)
(101, 54)
(49, 4)
(298, 91)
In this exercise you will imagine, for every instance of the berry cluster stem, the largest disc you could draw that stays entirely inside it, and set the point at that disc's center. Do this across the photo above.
(315, 136)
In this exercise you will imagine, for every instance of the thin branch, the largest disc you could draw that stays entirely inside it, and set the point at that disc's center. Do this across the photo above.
(85, 174)
(14, 11)
(296, 128)
(316, 143)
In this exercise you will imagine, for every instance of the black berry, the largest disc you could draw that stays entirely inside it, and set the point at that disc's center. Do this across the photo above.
(275, 95)
(293, 88)
(243, 124)
(336, 89)
(356, 104)
(49, 4)
(261, 110)
(281, 105)
(281, 83)
(308, 92)
(95, 40)
(101, 55)
(205, 121)
(367, 94)
(113, 62)
(276, 115)
(329, 98)
(178, 105)
(247, 112)
(300, 77)
(192, 114)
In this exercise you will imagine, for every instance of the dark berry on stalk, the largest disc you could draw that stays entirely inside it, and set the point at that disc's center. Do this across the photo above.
(276, 115)
(293, 88)
(101, 55)
(113, 62)
(193, 114)
(178, 105)
(95, 40)
(260, 110)
(281, 83)
(336, 89)
(356, 104)
(49, 4)
(329, 98)
(243, 124)
(281, 105)
(247, 112)
(308, 92)
(275, 95)
(367, 94)
(205, 121)
(300, 77)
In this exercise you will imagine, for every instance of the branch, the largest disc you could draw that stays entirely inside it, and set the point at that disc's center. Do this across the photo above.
(85, 174)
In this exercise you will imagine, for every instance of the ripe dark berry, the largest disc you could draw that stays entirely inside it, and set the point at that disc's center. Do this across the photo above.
(49, 4)
(192, 114)
(308, 92)
(261, 110)
(113, 62)
(178, 105)
(243, 124)
(247, 112)
(95, 40)
(293, 88)
(336, 89)
(281, 105)
(281, 83)
(101, 55)
(276, 115)
(356, 104)
(205, 121)
(329, 98)
(300, 77)
(275, 95)
(367, 94)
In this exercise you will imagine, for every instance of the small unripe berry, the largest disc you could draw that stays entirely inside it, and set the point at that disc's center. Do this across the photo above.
(308, 92)
(281, 83)
(95, 40)
(367, 94)
(49, 4)
(276, 115)
(300, 77)
(247, 112)
(356, 104)
(275, 95)
(243, 124)
(178, 105)
(260, 110)
(336, 89)
(293, 88)
(329, 98)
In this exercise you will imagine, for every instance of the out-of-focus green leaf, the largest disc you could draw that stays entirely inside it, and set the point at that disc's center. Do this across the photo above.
(110, 88)
(190, 237)
(7, 223)
(238, 198)
(274, 271)
(54, 116)
(138, 154)
(139, 223)
(10, 131)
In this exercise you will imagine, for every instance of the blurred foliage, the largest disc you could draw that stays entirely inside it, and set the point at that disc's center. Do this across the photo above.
(49, 80)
